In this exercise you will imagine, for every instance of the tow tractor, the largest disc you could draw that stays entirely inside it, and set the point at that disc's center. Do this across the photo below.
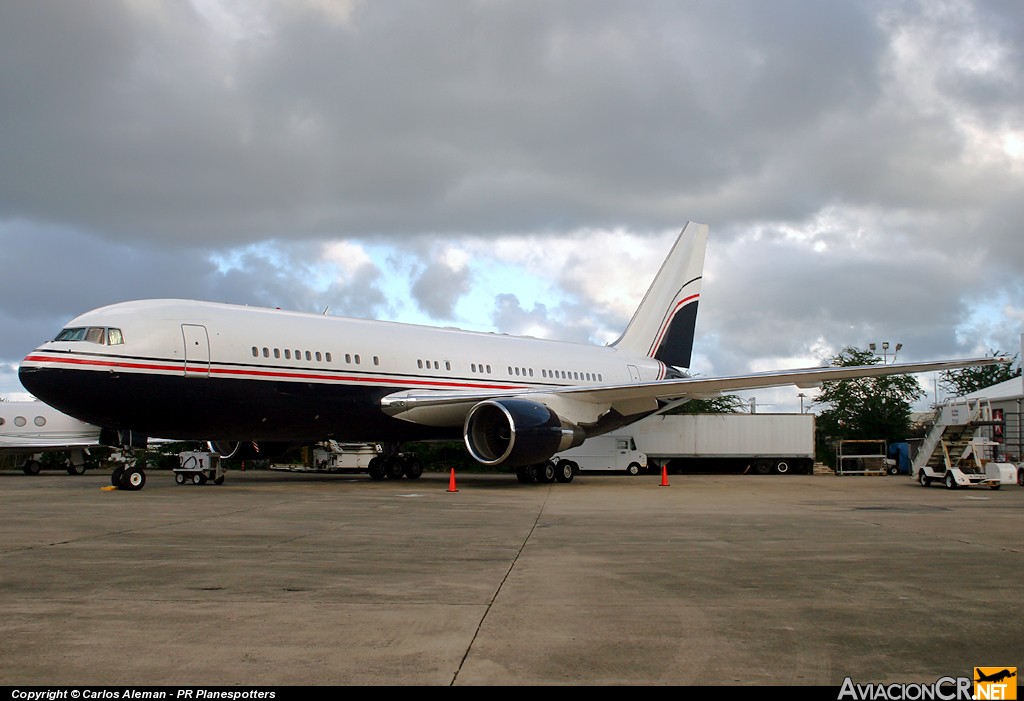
(198, 467)
(975, 467)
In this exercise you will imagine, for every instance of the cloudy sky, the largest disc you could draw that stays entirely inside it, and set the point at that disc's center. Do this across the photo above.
(523, 166)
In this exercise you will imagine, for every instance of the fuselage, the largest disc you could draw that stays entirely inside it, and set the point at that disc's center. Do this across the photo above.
(34, 426)
(189, 370)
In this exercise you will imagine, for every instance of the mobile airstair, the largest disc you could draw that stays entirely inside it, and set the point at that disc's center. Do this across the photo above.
(952, 452)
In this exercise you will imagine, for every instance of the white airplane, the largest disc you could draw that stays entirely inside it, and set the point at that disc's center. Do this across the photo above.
(31, 428)
(254, 379)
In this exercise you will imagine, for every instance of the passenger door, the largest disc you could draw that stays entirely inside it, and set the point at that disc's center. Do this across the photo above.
(197, 350)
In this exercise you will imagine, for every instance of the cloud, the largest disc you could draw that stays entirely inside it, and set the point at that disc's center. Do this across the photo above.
(859, 165)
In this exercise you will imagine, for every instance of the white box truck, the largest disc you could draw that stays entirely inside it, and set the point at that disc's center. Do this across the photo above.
(742, 443)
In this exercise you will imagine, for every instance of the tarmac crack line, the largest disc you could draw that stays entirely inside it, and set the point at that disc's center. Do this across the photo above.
(501, 585)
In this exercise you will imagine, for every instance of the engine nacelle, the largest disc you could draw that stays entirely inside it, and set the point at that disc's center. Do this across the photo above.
(517, 432)
(247, 450)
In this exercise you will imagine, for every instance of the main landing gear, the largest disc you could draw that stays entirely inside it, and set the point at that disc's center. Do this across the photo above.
(547, 472)
(395, 466)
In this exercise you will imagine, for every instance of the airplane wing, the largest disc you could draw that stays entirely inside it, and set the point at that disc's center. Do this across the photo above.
(585, 405)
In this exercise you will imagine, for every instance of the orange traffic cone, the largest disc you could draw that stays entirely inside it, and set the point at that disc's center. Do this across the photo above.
(664, 475)
(451, 482)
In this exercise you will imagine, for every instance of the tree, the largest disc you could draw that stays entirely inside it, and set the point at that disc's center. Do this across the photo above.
(726, 404)
(961, 382)
(866, 407)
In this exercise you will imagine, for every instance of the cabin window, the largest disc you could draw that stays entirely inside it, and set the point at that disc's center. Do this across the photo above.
(298, 355)
(357, 358)
(266, 352)
(255, 352)
(96, 334)
(114, 337)
(447, 365)
(318, 356)
(419, 364)
(277, 352)
(376, 360)
(19, 421)
(287, 354)
(309, 356)
(39, 421)
(327, 357)
(2, 421)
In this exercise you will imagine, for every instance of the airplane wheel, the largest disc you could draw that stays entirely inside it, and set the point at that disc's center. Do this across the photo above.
(31, 467)
(375, 469)
(179, 477)
(950, 481)
(565, 470)
(76, 469)
(545, 472)
(525, 474)
(413, 468)
(393, 467)
(115, 476)
(133, 479)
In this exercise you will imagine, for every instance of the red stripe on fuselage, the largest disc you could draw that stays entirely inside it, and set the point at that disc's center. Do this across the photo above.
(241, 373)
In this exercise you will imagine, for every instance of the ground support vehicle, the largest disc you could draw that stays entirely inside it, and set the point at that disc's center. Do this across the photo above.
(975, 467)
(198, 467)
(955, 452)
(609, 453)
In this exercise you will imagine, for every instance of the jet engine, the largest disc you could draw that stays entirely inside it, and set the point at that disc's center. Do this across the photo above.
(517, 432)
(247, 450)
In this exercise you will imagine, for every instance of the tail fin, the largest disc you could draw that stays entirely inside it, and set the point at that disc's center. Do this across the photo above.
(663, 325)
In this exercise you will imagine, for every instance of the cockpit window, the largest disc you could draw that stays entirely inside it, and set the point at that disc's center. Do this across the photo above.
(91, 334)
(73, 334)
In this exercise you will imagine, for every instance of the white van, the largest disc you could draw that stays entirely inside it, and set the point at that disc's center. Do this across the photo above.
(608, 453)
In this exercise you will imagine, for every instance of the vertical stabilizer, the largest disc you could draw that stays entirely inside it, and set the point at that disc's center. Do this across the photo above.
(663, 325)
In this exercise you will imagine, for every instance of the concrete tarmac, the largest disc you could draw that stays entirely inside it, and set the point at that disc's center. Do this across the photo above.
(281, 579)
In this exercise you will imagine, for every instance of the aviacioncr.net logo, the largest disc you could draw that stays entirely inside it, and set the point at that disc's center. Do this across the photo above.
(998, 683)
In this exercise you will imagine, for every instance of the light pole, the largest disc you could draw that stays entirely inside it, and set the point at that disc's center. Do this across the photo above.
(885, 351)
(801, 395)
